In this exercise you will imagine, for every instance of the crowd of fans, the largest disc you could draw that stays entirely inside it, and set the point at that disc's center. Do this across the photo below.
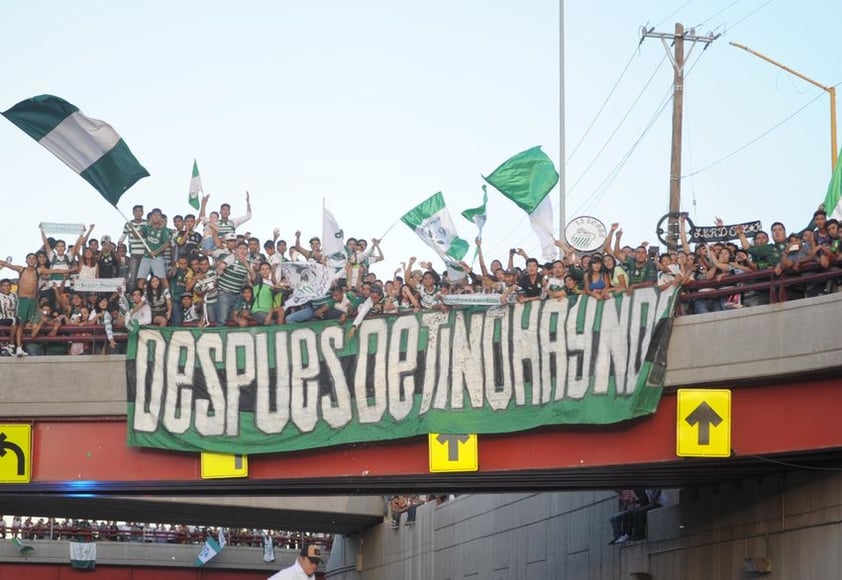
(199, 271)
(70, 529)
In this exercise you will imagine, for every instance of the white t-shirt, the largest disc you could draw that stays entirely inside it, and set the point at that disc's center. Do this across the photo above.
(294, 572)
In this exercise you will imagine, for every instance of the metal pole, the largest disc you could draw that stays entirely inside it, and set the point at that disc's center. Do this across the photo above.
(562, 217)
(834, 151)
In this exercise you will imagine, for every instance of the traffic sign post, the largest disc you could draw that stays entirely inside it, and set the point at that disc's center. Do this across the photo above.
(449, 452)
(15, 453)
(703, 423)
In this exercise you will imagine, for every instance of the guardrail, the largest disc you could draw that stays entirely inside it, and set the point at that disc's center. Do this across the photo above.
(788, 286)
(234, 537)
(808, 280)
(91, 336)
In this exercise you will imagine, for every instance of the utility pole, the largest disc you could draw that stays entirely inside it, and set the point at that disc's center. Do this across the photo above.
(678, 59)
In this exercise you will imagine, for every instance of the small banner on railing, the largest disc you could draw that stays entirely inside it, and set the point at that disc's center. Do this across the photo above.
(480, 370)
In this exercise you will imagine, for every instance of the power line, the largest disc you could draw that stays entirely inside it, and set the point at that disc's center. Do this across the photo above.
(617, 128)
(606, 183)
(602, 107)
(602, 188)
(718, 13)
(750, 14)
(754, 140)
(673, 13)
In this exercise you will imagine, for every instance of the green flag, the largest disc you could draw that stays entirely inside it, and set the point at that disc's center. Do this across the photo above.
(195, 187)
(23, 549)
(527, 179)
(478, 215)
(834, 194)
(431, 222)
(90, 147)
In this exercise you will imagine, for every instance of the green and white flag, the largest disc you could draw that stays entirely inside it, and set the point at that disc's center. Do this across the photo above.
(83, 555)
(478, 215)
(431, 222)
(23, 549)
(88, 146)
(527, 179)
(195, 187)
(833, 199)
(211, 548)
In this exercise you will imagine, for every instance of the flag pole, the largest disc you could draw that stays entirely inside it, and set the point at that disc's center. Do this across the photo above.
(389, 229)
(135, 230)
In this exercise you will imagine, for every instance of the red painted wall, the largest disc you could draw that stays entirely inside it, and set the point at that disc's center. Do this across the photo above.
(766, 419)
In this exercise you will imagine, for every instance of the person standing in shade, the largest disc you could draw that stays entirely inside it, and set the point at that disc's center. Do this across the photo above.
(304, 567)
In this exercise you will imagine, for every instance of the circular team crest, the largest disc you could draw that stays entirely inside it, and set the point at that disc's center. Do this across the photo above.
(585, 233)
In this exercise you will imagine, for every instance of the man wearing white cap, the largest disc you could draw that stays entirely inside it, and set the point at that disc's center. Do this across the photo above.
(304, 567)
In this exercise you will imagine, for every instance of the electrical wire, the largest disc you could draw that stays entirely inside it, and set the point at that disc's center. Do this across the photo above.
(602, 107)
(602, 188)
(749, 15)
(718, 13)
(606, 183)
(673, 13)
(756, 139)
(617, 128)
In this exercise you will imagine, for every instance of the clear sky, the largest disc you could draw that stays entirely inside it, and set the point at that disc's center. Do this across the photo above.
(375, 105)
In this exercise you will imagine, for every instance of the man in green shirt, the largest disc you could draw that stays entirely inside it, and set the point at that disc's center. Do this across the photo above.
(157, 237)
(763, 254)
(641, 270)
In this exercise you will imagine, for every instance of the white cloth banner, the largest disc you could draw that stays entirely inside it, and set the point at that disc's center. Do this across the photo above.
(308, 280)
(58, 228)
(471, 299)
(98, 284)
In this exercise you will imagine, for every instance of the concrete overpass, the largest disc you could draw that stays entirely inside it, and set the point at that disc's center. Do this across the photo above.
(779, 361)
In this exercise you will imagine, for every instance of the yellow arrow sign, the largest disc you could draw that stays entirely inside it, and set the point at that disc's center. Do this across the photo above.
(703, 427)
(223, 466)
(15, 453)
(453, 452)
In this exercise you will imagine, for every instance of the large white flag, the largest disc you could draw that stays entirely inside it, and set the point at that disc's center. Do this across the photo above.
(83, 555)
(333, 241)
(268, 548)
(308, 280)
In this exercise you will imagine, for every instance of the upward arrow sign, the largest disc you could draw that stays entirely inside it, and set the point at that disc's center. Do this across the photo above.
(704, 416)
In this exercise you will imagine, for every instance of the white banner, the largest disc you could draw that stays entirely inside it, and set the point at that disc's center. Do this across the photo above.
(57, 228)
(98, 284)
(471, 299)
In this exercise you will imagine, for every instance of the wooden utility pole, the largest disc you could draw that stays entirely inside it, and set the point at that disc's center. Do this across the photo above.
(678, 59)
